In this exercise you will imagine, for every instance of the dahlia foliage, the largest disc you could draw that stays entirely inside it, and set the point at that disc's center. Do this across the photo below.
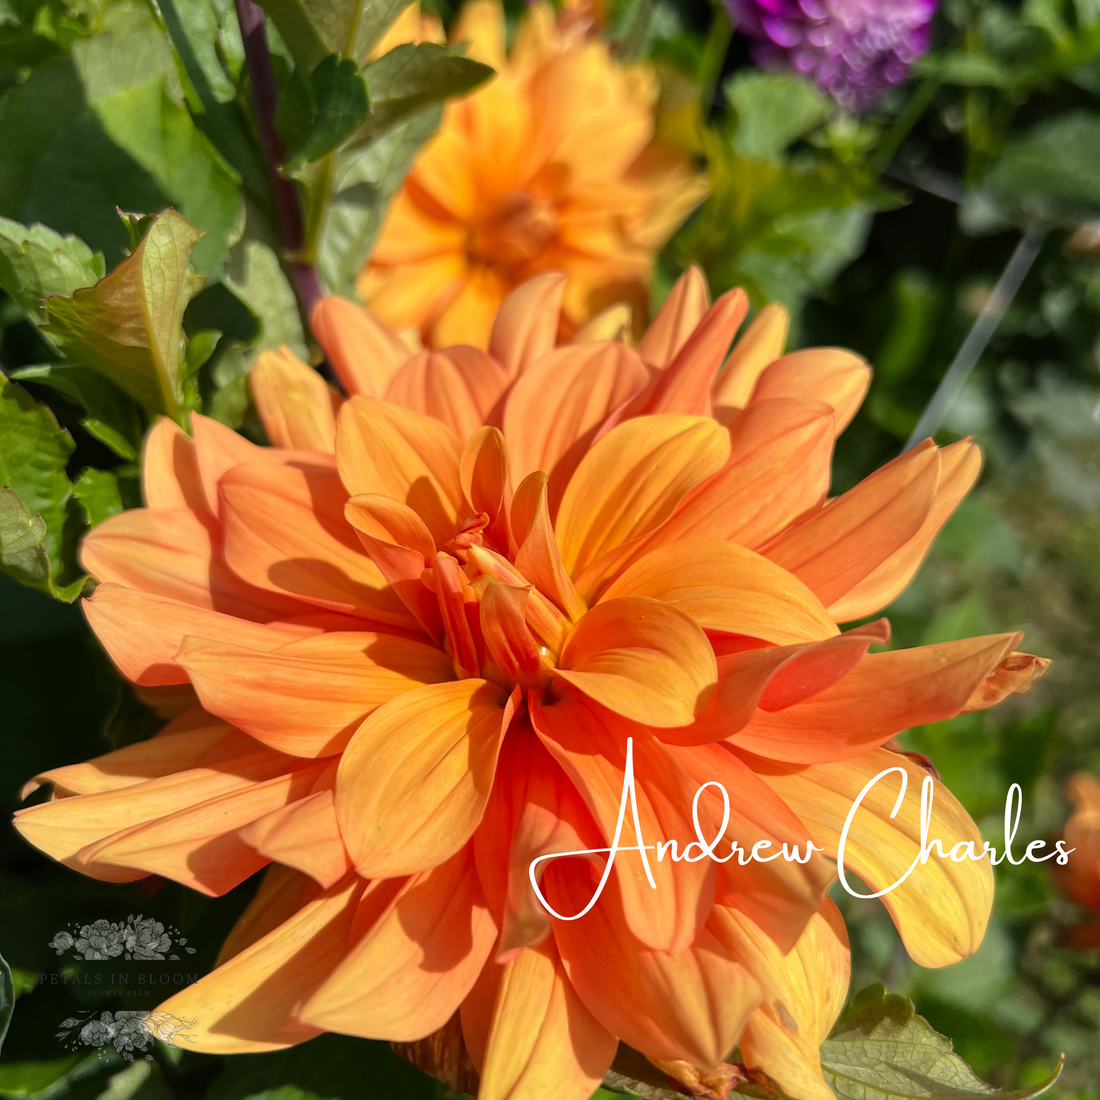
(421, 631)
(549, 167)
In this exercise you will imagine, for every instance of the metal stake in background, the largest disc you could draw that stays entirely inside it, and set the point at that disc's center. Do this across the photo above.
(1019, 264)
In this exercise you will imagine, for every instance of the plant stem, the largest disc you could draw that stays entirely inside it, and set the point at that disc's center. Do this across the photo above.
(284, 193)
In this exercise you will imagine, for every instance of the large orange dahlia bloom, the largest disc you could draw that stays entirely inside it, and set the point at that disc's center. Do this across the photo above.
(422, 632)
(549, 167)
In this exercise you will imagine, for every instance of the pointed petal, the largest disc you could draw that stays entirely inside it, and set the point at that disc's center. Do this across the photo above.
(483, 470)
(526, 327)
(282, 892)
(804, 992)
(218, 449)
(556, 408)
(676, 320)
(415, 963)
(631, 480)
(1015, 675)
(247, 1005)
(481, 24)
(838, 547)
(539, 558)
(614, 323)
(363, 351)
(642, 658)
(308, 697)
(285, 532)
(170, 469)
(589, 743)
(761, 344)
(294, 402)
(688, 1005)
(414, 780)
(461, 386)
(684, 386)
(960, 465)
(884, 694)
(411, 457)
(543, 1044)
(837, 377)
(724, 587)
(942, 908)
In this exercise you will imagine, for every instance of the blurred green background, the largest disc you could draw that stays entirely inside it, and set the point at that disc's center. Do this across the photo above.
(885, 234)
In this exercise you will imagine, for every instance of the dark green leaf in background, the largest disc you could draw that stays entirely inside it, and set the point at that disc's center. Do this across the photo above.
(36, 262)
(773, 110)
(315, 28)
(340, 104)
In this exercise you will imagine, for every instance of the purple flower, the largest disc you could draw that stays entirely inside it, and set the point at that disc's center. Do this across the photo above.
(854, 49)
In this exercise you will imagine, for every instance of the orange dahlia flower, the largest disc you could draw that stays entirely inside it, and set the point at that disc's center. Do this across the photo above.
(424, 630)
(549, 167)
(1081, 876)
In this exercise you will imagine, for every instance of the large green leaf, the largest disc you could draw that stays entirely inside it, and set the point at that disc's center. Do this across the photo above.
(254, 275)
(316, 28)
(773, 110)
(340, 104)
(881, 1049)
(37, 262)
(129, 325)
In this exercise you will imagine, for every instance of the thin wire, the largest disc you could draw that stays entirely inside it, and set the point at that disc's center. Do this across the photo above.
(977, 339)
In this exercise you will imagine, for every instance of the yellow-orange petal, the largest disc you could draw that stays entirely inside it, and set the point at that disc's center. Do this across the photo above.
(170, 475)
(1015, 675)
(538, 557)
(839, 378)
(723, 586)
(248, 1004)
(543, 1043)
(416, 961)
(282, 892)
(838, 546)
(415, 778)
(526, 327)
(308, 697)
(960, 464)
(682, 310)
(483, 471)
(413, 458)
(804, 992)
(761, 344)
(631, 480)
(481, 24)
(942, 909)
(363, 351)
(643, 659)
(218, 449)
(294, 402)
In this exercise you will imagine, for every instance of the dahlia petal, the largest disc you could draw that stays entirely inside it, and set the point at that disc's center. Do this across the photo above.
(414, 780)
(539, 558)
(589, 743)
(461, 386)
(1013, 676)
(544, 1044)
(294, 402)
(415, 963)
(556, 408)
(725, 587)
(466, 315)
(308, 697)
(688, 1005)
(363, 351)
(510, 643)
(411, 457)
(684, 386)
(282, 892)
(960, 464)
(631, 480)
(884, 694)
(614, 323)
(285, 532)
(198, 846)
(142, 632)
(804, 992)
(526, 328)
(304, 835)
(483, 471)
(170, 469)
(839, 378)
(248, 1004)
(838, 546)
(760, 345)
(173, 554)
(642, 658)
(677, 319)
(481, 24)
(942, 909)
(218, 449)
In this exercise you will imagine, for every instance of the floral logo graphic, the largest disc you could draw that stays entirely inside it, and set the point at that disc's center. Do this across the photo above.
(139, 938)
(129, 1032)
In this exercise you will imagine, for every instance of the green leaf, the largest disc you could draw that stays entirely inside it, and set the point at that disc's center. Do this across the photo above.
(129, 325)
(112, 416)
(43, 1080)
(365, 181)
(315, 28)
(7, 999)
(37, 262)
(22, 555)
(773, 110)
(254, 275)
(99, 496)
(881, 1049)
(340, 106)
(971, 70)
(412, 77)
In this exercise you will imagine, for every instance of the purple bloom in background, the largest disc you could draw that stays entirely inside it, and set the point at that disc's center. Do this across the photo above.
(854, 49)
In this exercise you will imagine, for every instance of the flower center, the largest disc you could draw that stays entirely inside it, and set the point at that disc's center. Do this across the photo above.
(518, 232)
